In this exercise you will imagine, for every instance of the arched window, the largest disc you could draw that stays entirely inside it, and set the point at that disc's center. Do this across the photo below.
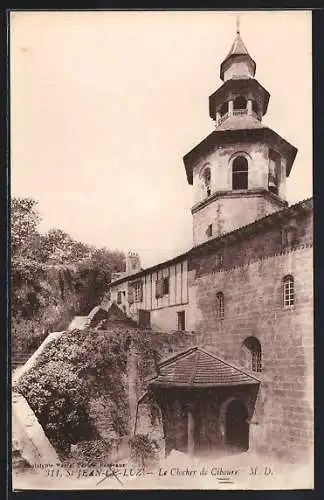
(206, 179)
(240, 103)
(224, 109)
(251, 349)
(255, 107)
(288, 290)
(240, 173)
(220, 305)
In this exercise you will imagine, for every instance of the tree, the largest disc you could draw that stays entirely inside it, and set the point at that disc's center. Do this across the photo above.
(52, 275)
(25, 219)
(94, 273)
(59, 247)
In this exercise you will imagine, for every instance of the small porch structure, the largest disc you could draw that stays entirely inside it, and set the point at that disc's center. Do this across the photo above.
(206, 403)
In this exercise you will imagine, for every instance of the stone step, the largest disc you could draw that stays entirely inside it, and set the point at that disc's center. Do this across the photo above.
(19, 360)
(20, 356)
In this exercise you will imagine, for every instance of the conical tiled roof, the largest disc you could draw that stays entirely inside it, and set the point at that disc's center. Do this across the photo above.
(199, 368)
(238, 49)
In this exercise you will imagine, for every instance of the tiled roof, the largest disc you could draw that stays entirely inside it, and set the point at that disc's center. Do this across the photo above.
(199, 368)
(238, 47)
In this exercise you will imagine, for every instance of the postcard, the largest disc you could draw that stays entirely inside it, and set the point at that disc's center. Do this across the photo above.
(162, 250)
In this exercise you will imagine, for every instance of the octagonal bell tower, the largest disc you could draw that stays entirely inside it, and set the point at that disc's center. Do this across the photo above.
(239, 171)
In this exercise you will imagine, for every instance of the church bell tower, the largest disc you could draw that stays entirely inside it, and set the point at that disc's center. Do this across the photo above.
(239, 171)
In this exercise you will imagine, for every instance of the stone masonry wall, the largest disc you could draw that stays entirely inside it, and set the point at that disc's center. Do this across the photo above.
(283, 417)
(226, 213)
(230, 212)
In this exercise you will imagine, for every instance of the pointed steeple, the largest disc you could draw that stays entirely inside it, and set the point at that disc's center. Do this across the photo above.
(238, 54)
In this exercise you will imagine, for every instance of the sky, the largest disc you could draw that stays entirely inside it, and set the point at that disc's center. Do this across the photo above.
(104, 105)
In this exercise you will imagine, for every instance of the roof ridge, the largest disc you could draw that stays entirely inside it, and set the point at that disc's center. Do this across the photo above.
(179, 355)
(194, 371)
(209, 242)
(228, 364)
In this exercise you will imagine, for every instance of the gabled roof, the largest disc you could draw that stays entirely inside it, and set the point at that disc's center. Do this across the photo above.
(196, 367)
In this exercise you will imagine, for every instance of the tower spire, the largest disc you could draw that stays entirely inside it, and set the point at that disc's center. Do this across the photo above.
(237, 25)
(237, 53)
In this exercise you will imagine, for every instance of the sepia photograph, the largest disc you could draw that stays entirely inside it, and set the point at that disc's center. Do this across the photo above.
(161, 250)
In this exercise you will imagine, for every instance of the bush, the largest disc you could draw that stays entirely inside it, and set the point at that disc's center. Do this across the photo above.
(59, 399)
(94, 453)
(72, 372)
(142, 449)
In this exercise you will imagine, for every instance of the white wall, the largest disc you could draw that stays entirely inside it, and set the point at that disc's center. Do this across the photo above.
(164, 310)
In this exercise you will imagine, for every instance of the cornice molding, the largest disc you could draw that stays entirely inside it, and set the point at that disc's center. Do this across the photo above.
(226, 239)
(247, 193)
(286, 251)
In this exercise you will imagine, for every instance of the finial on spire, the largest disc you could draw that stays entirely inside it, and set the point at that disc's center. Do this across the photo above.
(238, 25)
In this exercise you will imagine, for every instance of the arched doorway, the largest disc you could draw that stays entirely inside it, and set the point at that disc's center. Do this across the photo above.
(237, 426)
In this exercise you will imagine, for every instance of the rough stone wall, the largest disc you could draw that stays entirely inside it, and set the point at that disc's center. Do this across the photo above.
(253, 295)
(265, 241)
(163, 416)
(230, 212)
(149, 421)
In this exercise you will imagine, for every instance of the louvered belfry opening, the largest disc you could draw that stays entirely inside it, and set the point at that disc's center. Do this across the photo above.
(240, 171)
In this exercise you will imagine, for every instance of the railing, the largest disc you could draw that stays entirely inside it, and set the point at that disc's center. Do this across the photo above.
(240, 112)
(237, 112)
(222, 119)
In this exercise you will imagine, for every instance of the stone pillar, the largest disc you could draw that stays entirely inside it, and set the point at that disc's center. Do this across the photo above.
(217, 118)
(191, 436)
(249, 107)
(230, 107)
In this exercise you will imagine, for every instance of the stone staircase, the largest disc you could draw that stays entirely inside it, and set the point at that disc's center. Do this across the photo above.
(19, 359)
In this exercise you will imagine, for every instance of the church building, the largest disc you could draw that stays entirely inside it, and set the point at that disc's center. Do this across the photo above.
(244, 289)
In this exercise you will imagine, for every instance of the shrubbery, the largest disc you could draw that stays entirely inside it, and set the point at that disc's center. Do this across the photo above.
(94, 453)
(72, 369)
(142, 449)
(53, 276)
(59, 398)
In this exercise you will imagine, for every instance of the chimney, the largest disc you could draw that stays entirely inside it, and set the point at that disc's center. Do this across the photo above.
(133, 263)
